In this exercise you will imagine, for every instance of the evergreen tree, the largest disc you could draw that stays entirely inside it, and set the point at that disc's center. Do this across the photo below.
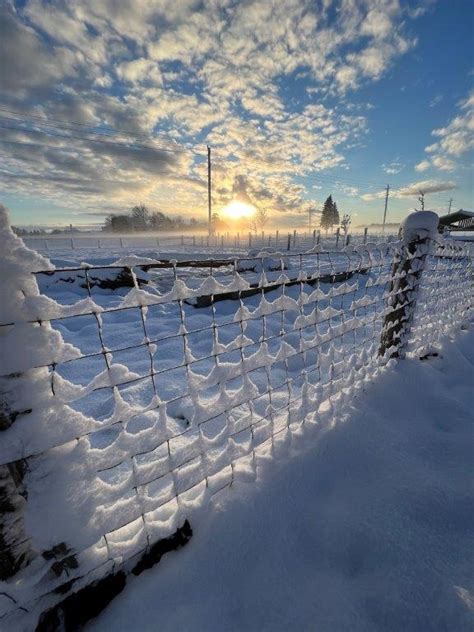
(327, 216)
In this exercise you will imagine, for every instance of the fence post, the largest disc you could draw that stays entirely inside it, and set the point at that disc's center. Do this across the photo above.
(318, 238)
(314, 236)
(337, 236)
(416, 233)
(288, 247)
(276, 238)
(294, 238)
(348, 239)
(365, 234)
(250, 240)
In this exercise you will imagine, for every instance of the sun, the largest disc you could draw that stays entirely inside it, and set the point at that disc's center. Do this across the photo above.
(238, 210)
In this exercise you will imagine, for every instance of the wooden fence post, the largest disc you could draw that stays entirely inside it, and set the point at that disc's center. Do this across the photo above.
(365, 234)
(416, 233)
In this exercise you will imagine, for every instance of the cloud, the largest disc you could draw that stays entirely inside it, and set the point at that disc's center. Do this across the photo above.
(456, 139)
(393, 167)
(427, 186)
(435, 100)
(26, 63)
(194, 72)
(423, 165)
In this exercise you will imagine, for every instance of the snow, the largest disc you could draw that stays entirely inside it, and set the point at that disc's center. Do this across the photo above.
(121, 454)
(367, 527)
(419, 224)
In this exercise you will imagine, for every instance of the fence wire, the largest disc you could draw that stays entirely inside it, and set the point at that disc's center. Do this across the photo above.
(171, 382)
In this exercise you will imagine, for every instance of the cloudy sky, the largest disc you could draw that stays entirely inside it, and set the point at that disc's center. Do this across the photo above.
(106, 103)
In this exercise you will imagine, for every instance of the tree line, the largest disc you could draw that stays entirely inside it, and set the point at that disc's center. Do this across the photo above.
(140, 219)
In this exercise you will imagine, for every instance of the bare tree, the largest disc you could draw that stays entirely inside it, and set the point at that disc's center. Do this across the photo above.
(261, 217)
(421, 199)
(345, 223)
(252, 224)
(140, 217)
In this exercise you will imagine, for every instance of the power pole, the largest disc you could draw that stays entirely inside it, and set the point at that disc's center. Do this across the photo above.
(450, 202)
(310, 210)
(387, 191)
(209, 200)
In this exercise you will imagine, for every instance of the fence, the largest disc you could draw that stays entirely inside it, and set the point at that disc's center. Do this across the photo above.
(134, 393)
(240, 241)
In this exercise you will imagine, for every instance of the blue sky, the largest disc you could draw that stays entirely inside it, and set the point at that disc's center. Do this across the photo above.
(297, 99)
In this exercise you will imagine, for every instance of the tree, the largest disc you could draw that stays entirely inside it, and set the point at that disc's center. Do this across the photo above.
(121, 223)
(421, 199)
(261, 217)
(217, 224)
(140, 217)
(345, 223)
(329, 214)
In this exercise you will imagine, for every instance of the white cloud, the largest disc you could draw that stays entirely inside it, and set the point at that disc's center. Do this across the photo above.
(411, 190)
(456, 139)
(435, 100)
(423, 165)
(194, 71)
(393, 167)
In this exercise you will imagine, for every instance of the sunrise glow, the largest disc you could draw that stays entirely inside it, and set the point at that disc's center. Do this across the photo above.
(238, 210)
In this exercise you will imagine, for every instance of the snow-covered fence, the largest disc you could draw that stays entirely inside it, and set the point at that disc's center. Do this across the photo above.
(133, 393)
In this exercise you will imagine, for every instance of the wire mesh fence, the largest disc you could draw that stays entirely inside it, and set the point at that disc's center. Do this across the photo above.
(145, 389)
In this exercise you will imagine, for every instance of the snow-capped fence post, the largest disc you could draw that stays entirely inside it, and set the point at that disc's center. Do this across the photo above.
(416, 233)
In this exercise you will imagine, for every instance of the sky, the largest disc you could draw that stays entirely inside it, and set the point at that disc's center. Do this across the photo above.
(105, 104)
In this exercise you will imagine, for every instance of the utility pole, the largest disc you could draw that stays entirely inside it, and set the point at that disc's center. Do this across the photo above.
(387, 191)
(209, 200)
(450, 202)
(310, 211)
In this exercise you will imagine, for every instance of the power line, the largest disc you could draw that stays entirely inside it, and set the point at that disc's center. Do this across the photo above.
(90, 140)
(93, 132)
(341, 180)
(85, 138)
(30, 117)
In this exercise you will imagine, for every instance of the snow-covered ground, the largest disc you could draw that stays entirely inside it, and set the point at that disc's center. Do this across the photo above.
(367, 528)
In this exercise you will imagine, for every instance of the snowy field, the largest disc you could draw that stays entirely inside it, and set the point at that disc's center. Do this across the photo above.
(148, 385)
(367, 528)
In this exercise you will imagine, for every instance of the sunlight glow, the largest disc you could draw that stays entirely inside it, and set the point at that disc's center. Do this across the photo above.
(238, 210)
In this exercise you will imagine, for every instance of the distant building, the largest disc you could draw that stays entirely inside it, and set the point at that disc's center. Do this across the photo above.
(458, 221)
